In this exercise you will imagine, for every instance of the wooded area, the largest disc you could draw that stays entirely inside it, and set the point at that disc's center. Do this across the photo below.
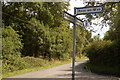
(36, 31)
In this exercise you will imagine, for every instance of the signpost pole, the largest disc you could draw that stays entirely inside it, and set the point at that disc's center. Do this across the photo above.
(74, 46)
(73, 19)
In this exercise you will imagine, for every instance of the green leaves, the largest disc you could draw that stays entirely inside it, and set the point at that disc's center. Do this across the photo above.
(37, 30)
(43, 31)
(98, 52)
(11, 42)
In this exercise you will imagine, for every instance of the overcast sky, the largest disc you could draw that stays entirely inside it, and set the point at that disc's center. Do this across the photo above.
(79, 3)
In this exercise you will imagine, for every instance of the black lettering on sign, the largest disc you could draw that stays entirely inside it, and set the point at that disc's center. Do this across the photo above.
(94, 9)
(98, 9)
(84, 10)
(79, 10)
(88, 10)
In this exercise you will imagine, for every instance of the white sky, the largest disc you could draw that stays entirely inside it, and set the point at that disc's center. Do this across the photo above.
(79, 3)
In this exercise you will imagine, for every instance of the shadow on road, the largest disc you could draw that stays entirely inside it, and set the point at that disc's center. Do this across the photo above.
(84, 74)
(80, 74)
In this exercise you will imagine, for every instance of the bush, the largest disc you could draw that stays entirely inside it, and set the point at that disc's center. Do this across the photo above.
(17, 63)
(97, 52)
(104, 56)
(33, 62)
(11, 42)
(103, 70)
(11, 50)
(13, 63)
(115, 55)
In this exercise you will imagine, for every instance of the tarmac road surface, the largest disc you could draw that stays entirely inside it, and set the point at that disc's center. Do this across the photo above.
(63, 72)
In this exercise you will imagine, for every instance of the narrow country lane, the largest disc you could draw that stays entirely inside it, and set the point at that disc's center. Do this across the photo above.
(62, 72)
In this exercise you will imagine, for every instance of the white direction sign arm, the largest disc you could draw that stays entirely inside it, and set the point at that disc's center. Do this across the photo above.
(89, 10)
(70, 18)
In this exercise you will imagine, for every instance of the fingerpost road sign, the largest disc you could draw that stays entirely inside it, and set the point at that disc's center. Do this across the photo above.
(73, 19)
(89, 10)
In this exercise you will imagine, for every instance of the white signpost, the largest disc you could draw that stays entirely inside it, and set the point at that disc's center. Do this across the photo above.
(89, 10)
(73, 19)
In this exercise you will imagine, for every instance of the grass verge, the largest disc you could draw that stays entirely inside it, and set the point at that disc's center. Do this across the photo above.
(111, 71)
(45, 66)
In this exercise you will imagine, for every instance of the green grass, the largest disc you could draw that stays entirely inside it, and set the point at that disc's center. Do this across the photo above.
(45, 66)
(0, 69)
(101, 69)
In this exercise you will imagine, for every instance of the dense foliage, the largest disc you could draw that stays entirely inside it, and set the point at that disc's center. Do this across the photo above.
(105, 55)
(98, 52)
(11, 42)
(11, 48)
(37, 30)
